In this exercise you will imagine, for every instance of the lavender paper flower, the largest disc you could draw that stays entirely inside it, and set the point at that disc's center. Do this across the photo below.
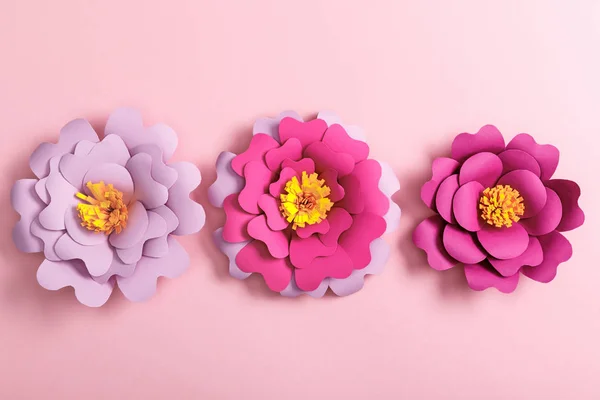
(105, 212)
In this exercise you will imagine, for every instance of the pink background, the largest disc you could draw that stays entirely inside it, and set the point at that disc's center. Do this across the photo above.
(413, 74)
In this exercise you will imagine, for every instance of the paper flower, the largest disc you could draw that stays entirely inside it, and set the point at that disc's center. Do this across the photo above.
(498, 211)
(105, 211)
(305, 207)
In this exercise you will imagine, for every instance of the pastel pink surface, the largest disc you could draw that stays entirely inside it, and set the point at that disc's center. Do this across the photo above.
(413, 74)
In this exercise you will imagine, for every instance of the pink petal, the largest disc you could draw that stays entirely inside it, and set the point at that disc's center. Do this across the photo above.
(97, 259)
(462, 246)
(532, 256)
(270, 126)
(488, 139)
(504, 243)
(259, 145)
(277, 241)
(339, 221)
(292, 150)
(441, 169)
(137, 223)
(466, 206)
(304, 165)
(277, 188)
(305, 132)
(484, 168)
(113, 174)
(353, 200)
(568, 192)
(547, 219)
(481, 277)
(338, 265)
(236, 223)
(428, 237)
(365, 228)
(54, 275)
(190, 214)
(270, 206)
(148, 191)
(325, 158)
(277, 272)
(26, 202)
(321, 228)
(444, 197)
(72, 133)
(368, 173)
(546, 155)
(513, 160)
(304, 251)
(258, 177)
(337, 191)
(531, 189)
(557, 249)
(338, 140)
(227, 182)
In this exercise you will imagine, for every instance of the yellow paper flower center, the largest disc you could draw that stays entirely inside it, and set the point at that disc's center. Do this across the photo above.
(305, 203)
(104, 211)
(501, 206)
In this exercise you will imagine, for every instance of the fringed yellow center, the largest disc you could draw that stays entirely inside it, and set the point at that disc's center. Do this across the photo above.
(105, 212)
(501, 206)
(305, 203)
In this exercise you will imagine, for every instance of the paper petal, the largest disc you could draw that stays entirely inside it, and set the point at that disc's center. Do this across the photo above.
(481, 277)
(258, 177)
(292, 290)
(325, 158)
(159, 246)
(270, 206)
(48, 237)
(236, 223)
(369, 174)
(487, 139)
(227, 183)
(339, 222)
(231, 250)
(291, 149)
(259, 146)
(546, 155)
(484, 168)
(557, 250)
(277, 188)
(117, 268)
(40, 187)
(365, 228)
(338, 140)
(462, 246)
(321, 228)
(270, 126)
(337, 191)
(62, 198)
(428, 237)
(338, 265)
(304, 251)
(466, 206)
(26, 202)
(514, 159)
(157, 227)
(568, 192)
(97, 258)
(137, 223)
(547, 219)
(531, 189)
(445, 196)
(532, 256)
(255, 257)
(148, 191)
(353, 201)
(79, 233)
(504, 243)
(276, 241)
(441, 169)
(190, 214)
(161, 172)
(113, 174)
(306, 132)
(303, 165)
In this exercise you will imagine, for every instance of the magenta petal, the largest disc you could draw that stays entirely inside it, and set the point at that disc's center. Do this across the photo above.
(292, 150)
(26, 202)
(277, 188)
(321, 228)
(339, 221)
(568, 192)
(353, 200)
(547, 219)
(444, 197)
(72, 133)
(97, 259)
(113, 174)
(462, 246)
(481, 277)
(270, 206)
(236, 223)
(258, 177)
(259, 145)
(513, 160)
(356, 241)
(148, 191)
(441, 169)
(488, 139)
(338, 140)
(484, 168)
(428, 237)
(304, 165)
(531, 189)
(137, 223)
(337, 191)
(277, 241)
(325, 158)
(339, 265)
(557, 249)
(277, 272)
(54, 275)
(368, 173)
(304, 251)
(306, 132)
(532, 256)
(466, 206)
(546, 155)
(504, 243)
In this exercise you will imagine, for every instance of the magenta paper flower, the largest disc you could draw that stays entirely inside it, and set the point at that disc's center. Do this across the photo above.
(305, 207)
(105, 211)
(498, 211)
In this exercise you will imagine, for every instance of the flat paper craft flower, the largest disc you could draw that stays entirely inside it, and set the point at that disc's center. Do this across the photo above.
(498, 211)
(106, 211)
(305, 207)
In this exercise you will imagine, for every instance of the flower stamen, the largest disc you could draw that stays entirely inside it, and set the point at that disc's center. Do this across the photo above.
(306, 203)
(501, 206)
(106, 211)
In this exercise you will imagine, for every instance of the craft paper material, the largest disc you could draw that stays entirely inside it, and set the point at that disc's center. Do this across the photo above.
(305, 207)
(498, 211)
(105, 211)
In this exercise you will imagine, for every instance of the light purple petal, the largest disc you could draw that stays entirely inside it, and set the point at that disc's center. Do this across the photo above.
(148, 191)
(159, 247)
(113, 174)
(231, 250)
(355, 132)
(190, 214)
(137, 223)
(97, 259)
(389, 185)
(157, 227)
(48, 237)
(27, 203)
(270, 126)
(62, 198)
(117, 267)
(292, 290)
(79, 233)
(161, 172)
(227, 182)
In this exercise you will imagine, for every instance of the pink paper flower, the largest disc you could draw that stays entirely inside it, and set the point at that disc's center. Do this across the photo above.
(498, 211)
(305, 207)
(105, 211)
